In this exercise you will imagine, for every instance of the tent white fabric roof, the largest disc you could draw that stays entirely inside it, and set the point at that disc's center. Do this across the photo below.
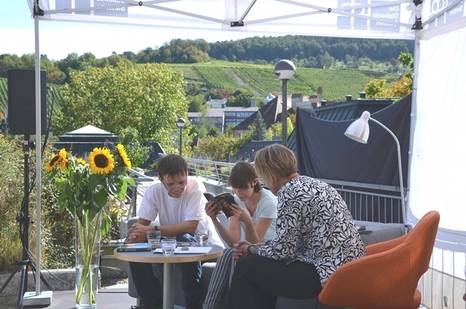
(343, 18)
(348, 18)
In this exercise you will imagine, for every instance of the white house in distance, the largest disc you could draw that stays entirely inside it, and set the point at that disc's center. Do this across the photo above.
(220, 115)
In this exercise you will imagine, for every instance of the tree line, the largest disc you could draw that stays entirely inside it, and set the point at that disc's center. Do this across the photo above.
(308, 49)
(305, 51)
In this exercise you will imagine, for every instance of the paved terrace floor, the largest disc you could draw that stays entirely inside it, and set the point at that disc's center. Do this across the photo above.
(110, 297)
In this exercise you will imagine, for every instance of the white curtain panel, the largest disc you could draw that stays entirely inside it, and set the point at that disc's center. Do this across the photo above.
(438, 166)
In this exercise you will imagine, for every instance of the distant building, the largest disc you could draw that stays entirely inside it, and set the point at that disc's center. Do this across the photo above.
(212, 116)
(222, 118)
(236, 115)
(217, 103)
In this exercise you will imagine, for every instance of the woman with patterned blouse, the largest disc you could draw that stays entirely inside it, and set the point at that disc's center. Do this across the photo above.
(315, 235)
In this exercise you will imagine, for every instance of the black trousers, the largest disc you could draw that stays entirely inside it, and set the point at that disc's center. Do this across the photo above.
(149, 286)
(258, 281)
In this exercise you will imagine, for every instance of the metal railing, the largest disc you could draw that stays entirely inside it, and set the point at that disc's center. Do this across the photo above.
(444, 283)
(210, 170)
(370, 202)
(367, 202)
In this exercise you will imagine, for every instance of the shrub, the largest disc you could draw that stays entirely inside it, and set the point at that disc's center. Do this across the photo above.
(11, 194)
(57, 232)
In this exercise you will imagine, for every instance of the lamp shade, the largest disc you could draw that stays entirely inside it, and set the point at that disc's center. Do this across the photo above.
(180, 123)
(358, 130)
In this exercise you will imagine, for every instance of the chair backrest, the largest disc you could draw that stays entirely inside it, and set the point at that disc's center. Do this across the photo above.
(422, 239)
(386, 278)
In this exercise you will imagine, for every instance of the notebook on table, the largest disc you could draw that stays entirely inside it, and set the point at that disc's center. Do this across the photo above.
(135, 247)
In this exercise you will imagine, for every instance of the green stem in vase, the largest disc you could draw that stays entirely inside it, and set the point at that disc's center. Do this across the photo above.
(88, 234)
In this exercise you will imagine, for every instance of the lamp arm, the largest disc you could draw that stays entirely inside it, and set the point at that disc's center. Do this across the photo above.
(400, 171)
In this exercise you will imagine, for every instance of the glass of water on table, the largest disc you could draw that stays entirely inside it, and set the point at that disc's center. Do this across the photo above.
(201, 238)
(168, 245)
(153, 238)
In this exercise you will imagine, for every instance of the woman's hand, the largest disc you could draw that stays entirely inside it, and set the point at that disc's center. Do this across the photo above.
(211, 210)
(242, 214)
(241, 249)
(137, 233)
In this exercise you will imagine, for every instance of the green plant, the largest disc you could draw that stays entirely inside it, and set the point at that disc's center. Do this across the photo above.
(130, 137)
(146, 97)
(221, 147)
(57, 231)
(11, 194)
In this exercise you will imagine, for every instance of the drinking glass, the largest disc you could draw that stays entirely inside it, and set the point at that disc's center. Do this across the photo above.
(201, 238)
(153, 238)
(168, 246)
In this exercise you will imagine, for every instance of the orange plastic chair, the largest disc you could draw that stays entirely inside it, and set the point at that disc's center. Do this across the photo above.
(387, 277)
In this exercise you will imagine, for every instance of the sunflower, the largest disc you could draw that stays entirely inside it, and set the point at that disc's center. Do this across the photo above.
(62, 159)
(51, 164)
(62, 154)
(81, 161)
(101, 161)
(123, 155)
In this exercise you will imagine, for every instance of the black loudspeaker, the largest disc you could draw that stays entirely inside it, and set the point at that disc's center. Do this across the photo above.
(22, 100)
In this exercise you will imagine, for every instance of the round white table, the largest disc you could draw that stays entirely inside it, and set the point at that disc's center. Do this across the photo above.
(167, 261)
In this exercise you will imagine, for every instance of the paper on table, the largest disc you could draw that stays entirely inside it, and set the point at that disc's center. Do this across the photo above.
(188, 250)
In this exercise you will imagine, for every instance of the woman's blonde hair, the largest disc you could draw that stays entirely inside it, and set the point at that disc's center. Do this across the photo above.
(275, 161)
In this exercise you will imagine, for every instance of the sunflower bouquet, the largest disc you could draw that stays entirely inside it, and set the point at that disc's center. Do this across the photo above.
(84, 187)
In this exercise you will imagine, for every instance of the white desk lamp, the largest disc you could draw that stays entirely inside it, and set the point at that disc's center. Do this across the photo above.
(358, 131)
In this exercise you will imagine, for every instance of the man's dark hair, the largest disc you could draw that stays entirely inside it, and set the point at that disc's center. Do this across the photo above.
(172, 164)
(242, 174)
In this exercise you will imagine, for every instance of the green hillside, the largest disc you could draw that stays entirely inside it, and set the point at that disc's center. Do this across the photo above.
(3, 94)
(260, 80)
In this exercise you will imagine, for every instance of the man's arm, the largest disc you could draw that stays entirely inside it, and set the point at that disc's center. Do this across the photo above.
(179, 228)
(138, 232)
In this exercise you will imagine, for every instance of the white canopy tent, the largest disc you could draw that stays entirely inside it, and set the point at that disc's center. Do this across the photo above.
(438, 150)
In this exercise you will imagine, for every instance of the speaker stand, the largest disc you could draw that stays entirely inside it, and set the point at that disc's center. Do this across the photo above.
(24, 220)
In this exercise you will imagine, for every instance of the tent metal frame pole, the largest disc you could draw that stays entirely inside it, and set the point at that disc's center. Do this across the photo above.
(246, 12)
(38, 181)
(416, 58)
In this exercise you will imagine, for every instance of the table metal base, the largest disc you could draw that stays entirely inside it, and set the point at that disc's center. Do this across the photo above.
(168, 286)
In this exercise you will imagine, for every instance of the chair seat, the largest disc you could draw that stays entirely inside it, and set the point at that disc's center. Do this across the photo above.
(387, 277)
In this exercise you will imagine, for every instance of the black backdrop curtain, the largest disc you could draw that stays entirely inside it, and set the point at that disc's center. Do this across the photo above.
(324, 152)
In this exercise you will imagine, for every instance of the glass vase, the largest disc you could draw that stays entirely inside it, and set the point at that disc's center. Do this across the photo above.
(87, 248)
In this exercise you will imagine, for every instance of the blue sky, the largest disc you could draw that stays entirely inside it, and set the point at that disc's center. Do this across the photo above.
(58, 39)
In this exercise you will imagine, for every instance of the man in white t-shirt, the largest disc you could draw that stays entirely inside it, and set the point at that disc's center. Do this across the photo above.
(178, 201)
